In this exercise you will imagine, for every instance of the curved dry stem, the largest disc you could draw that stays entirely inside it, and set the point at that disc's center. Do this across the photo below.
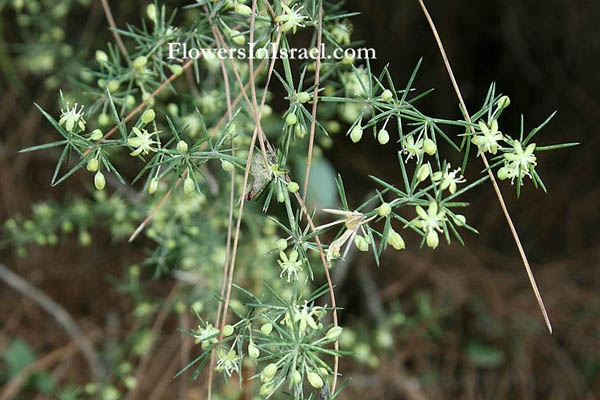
(113, 26)
(313, 120)
(509, 221)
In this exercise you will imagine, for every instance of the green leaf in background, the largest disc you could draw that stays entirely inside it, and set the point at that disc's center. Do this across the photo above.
(17, 356)
(483, 355)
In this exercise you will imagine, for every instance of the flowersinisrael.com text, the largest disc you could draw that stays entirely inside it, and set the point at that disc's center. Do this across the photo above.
(179, 50)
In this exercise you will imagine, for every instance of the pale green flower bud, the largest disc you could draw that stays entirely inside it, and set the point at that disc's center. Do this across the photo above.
(96, 135)
(334, 333)
(395, 240)
(384, 209)
(113, 85)
(503, 102)
(300, 131)
(383, 136)
(291, 119)
(151, 12)
(293, 187)
(182, 146)
(148, 116)
(99, 181)
(303, 97)
(460, 220)
(173, 109)
(85, 239)
(226, 165)
(503, 173)
(266, 328)
(433, 239)
(130, 100)
(423, 172)
(188, 185)
(92, 165)
(103, 119)
(238, 39)
(242, 9)
(268, 373)
(253, 351)
(356, 133)
(101, 56)
(429, 146)
(266, 389)
(315, 380)
(387, 95)
(361, 243)
(296, 377)
(176, 69)
(282, 244)
(140, 62)
(227, 330)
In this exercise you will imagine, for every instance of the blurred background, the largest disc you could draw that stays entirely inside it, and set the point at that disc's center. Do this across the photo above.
(463, 320)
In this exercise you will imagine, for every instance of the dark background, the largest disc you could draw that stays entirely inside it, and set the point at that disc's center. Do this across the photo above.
(545, 56)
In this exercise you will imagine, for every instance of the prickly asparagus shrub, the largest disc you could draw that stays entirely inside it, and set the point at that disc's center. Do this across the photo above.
(189, 158)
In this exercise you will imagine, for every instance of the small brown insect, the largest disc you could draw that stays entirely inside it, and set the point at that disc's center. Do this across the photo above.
(261, 175)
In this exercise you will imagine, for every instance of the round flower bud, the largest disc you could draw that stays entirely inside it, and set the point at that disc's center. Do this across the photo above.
(153, 186)
(92, 165)
(315, 380)
(182, 146)
(395, 240)
(268, 372)
(387, 95)
(296, 377)
(96, 135)
(433, 239)
(503, 173)
(176, 69)
(356, 133)
(334, 333)
(303, 97)
(253, 351)
(361, 243)
(148, 116)
(172, 109)
(266, 328)
(383, 136)
(503, 102)
(384, 209)
(429, 146)
(281, 244)
(460, 220)
(99, 181)
(188, 185)
(101, 56)
(293, 187)
(103, 119)
(238, 39)
(291, 119)
(113, 85)
(151, 12)
(266, 389)
(242, 9)
(140, 62)
(130, 100)
(226, 165)
(300, 131)
(423, 172)
(227, 330)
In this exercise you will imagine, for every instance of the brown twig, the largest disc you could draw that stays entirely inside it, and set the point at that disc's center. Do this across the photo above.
(113, 26)
(314, 106)
(489, 171)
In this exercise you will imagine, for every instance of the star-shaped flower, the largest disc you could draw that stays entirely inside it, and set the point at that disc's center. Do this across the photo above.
(431, 222)
(142, 141)
(290, 266)
(292, 18)
(72, 117)
(488, 140)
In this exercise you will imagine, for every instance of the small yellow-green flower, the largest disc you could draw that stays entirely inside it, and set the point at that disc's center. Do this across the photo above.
(72, 117)
(489, 138)
(291, 18)
(142, 142)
